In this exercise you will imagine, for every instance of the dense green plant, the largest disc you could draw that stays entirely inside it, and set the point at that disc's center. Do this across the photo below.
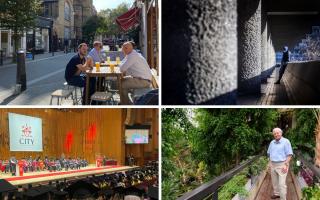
(258, 166)
(180, 172)
(200, 144)
(224, 137)
(234, 186)
(311, 193)
(302, 136)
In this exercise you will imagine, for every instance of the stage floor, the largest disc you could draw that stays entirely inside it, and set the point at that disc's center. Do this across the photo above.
(46, 176)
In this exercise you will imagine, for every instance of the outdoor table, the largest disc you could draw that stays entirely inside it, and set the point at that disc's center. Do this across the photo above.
(104, 72)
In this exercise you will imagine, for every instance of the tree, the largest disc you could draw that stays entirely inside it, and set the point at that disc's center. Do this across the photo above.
(90, 28)
(18, 16)
(109, 26)
(236, 133)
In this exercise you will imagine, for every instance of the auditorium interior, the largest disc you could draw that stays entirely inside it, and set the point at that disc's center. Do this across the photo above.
(79, 153)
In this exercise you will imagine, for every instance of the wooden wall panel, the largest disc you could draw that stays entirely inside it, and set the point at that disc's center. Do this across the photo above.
(108, 138)
(145, 152)
(49, 118)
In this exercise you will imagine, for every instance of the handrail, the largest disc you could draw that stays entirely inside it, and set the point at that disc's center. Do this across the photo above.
(212, 186)
(311, 166)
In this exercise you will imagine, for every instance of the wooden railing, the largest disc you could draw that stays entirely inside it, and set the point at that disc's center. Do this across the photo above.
(211, 187)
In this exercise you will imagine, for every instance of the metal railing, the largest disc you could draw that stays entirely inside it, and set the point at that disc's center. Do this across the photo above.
(211, 187)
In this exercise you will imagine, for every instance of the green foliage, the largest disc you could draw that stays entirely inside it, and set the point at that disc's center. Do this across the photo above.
(90, 28)
(180, 173)
(236, 133)
(303, 135)
(311, 193)
(18, 16)
(234, 186)
(196, 148)
(258, 166)
(109, 27)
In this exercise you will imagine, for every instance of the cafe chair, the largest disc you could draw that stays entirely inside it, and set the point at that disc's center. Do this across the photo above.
(76, 99)
(104, 97)
(60, 94)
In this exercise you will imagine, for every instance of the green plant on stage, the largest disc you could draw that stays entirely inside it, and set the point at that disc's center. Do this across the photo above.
(311, 193)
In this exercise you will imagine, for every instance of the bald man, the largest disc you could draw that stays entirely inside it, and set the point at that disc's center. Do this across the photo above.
(137, 72)
(280, 153)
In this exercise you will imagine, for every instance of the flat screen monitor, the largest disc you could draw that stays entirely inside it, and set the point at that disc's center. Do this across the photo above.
(137, 135)
(25, 133)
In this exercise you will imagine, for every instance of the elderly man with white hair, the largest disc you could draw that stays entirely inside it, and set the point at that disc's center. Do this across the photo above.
(137, 72)
(280, 153)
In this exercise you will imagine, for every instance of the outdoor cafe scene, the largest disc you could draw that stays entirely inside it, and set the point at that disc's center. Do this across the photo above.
(79, 52)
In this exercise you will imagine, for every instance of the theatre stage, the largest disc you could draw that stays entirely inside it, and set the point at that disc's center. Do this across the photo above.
(44, 177)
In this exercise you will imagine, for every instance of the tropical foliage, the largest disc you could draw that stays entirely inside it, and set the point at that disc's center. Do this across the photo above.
(200, 144)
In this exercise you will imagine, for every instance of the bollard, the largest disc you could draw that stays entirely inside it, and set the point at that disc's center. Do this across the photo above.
(21, 70)
(1, 57)
(33, 52)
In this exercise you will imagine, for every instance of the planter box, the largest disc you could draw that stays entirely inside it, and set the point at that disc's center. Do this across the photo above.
(252, 186)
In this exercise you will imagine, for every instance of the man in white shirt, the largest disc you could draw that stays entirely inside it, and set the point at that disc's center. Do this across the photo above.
(137, 72)
(280, 153)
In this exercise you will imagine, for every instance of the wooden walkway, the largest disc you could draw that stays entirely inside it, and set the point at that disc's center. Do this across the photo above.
(271, 94)
(266, 189)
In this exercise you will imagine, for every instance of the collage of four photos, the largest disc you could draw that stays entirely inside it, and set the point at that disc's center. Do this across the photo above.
(159, 99)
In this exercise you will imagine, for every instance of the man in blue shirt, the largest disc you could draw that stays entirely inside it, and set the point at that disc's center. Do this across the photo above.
(280, 153)
(75, 69)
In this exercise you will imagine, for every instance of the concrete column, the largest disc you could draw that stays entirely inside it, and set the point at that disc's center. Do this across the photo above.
(249, 46)
(265, 68)
(199, 52)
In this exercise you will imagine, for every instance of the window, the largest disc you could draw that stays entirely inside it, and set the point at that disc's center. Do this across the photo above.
(67, 11)
(46, 10)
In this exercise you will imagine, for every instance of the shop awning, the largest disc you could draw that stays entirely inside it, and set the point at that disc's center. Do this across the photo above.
(129, 19)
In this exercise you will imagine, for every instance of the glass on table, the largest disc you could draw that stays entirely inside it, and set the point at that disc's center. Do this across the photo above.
(118, 60)
(108, 60)
(98, 66)
(112, 68)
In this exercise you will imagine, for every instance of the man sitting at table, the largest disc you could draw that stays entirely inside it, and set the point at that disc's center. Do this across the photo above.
(137, 72)
(96, 52)
(75, 69)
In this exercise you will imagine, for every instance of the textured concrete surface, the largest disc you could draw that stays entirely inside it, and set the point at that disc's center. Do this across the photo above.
(249, 46)
(199, 52)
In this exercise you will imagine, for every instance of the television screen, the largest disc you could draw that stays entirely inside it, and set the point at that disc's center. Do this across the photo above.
(25, 133)
(137, 136)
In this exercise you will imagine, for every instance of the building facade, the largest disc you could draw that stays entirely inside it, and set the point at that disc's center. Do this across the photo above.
(60, 24)
(83, 10)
